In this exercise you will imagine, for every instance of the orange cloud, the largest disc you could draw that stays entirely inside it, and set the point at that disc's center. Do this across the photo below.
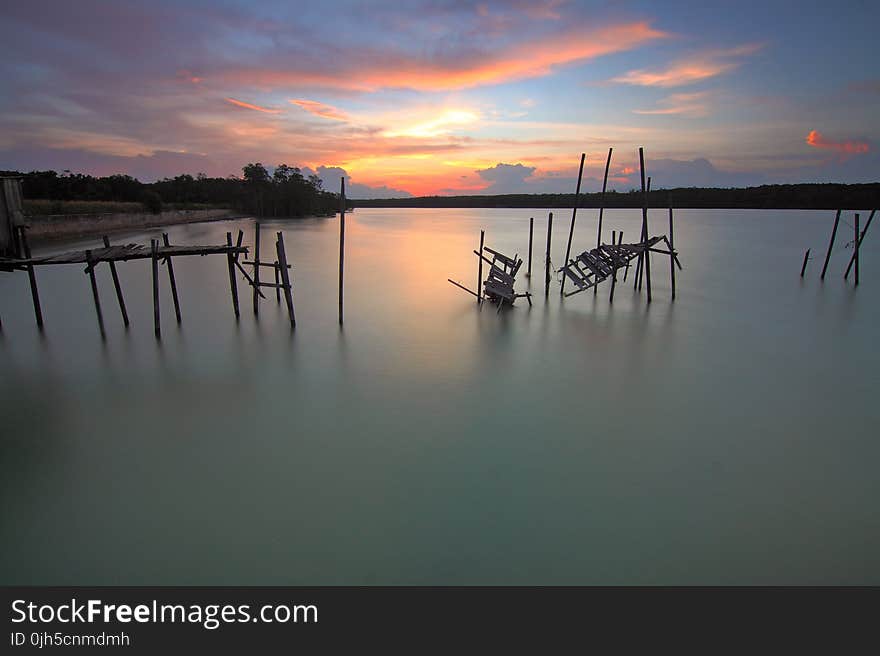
(700, 67)
(518, 61)
(322, 110)
(818, 140)
(245, 105)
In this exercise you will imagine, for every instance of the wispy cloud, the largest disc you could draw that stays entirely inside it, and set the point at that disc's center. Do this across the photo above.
(843, 148)
(690, 105)
(320, 109)
(696, 68)
(247, 105)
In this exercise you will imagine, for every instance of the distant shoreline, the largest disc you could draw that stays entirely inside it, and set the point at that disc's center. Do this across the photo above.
(795, 197)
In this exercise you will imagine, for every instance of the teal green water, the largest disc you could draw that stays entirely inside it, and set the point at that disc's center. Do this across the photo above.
(730, 437)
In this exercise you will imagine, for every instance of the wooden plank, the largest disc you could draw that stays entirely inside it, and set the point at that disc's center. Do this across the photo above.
(94, 282)
(285, 276)
(117, 286)
(574, 210)
(171, 279)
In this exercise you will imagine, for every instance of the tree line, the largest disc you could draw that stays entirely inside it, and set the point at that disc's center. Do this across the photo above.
(284, 192)
(789, 196)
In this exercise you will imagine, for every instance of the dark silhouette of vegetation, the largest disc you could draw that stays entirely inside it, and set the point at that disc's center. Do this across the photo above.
(286, 192)
(794, 196)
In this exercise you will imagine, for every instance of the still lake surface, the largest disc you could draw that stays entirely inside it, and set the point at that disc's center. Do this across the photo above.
(730, 437)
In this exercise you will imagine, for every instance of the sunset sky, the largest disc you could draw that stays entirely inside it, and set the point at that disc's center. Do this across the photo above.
(445, 97)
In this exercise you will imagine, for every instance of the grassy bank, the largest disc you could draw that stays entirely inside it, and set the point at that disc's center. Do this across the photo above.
(46, 207)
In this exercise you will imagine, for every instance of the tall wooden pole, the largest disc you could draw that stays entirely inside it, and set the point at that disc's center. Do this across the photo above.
(480, 270)
(804, 265)
(531, 231)
(35, 294)
(861, 237)
(671, 254)
(154, 249)
(256, 268)
(117, 286)
(90, 266)
(574, 210)
(602, 204)
(613, 272)
(830, 245)
(646, 263)
(171, 279)
(856, 247)
(341, 241)
(547, 257)
(233, 286)
(285, 278)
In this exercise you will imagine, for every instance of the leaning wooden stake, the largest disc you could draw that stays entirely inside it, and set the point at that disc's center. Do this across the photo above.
(233, 285)
(804, 265)
(171, 279)
(117, 286)
(480, 269)
(285, 280)
(531, 230)
(256, 268)
(646, 255)
(602, 204)
(547, 257)
(90, 267)
(341, 242)
(671, 255)
(856, 247)
(277, 285)
(861, 237)
(35, 294)
(830, 245)
(626, 268)
(154, 248)
(574, 210)
(613, 273)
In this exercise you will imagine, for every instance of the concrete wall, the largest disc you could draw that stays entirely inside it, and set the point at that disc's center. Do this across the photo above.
(57, 226)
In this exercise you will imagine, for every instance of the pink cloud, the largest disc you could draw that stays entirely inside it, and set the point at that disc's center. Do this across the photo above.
(322, 110)
(844, 148)
(698, 67)
(246, 105)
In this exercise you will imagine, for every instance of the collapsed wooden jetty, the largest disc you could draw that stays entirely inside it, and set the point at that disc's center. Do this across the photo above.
(164, 254)
(498, 286)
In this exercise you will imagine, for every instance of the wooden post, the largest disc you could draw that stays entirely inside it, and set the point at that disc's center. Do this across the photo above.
(480, 270)
(626, 269)
(277, 288)
(646, 263)
(154, 249)
(285, 280)
(171, 279)
(613, 274)
(649, 184)
(574, 210)
(341, 243)
(117, 286)
(233, 286)
(256, 268)
(602, 205)
(90, 266)
(671, 255)
(804, 265)
(531, 230)
(547, 257)
(35, 294)
(830, 245)
(861, 237)
(856, 247)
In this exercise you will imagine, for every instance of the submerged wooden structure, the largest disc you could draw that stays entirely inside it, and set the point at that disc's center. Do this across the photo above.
(855, 243)
(498, 287)
(157, 254)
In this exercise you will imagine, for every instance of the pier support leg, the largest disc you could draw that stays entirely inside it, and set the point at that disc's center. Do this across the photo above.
(277, 283)
(613, 275)
(480, 269)
(35, 294)
(856, 247)
(574, 210)
(171, 279)
(830, 245)
(861, 237)
(531, 230)
(804, 265)
(285, 278)
(233, 286)
(90, 267)
(671, 255)
(154, 248)
(547, 257)
(256, 268)
(646, 262)
(341, 247)
(117, 286)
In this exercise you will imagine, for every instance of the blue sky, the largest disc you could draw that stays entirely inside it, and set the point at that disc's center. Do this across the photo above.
(445, 97)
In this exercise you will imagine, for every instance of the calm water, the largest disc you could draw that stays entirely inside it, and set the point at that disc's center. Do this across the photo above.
(730, 437)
